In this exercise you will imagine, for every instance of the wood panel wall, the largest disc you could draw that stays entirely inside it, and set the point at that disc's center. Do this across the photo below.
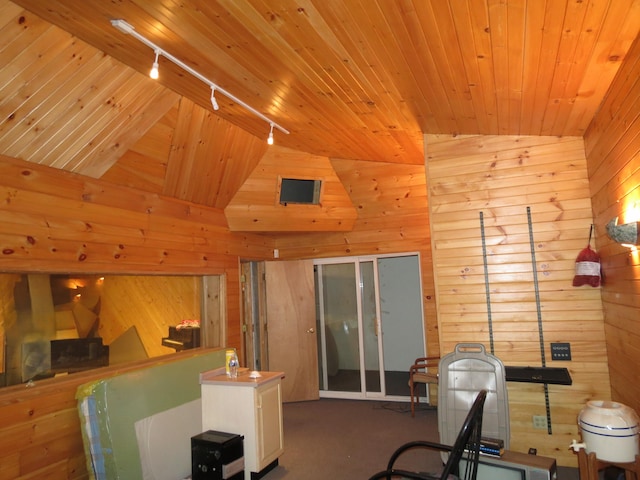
(8, 314)
(40, 427)
(256, 205)
(393, 217)
(501, 176)
(55, 221)
(612, 145)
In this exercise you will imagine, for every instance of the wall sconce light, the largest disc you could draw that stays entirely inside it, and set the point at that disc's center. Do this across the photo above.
(626, 234)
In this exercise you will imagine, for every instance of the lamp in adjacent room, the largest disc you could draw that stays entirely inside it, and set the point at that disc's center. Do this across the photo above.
(625, 234)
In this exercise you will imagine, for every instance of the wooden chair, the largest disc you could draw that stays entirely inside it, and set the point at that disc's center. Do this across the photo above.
(463, 456)
(419, 374)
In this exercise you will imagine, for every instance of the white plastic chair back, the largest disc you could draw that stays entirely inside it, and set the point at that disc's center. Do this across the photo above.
(463, 373)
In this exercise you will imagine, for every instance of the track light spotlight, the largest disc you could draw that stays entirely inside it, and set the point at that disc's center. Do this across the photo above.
(270, 139)
(214, 102)
(154, 69)
(127, 29)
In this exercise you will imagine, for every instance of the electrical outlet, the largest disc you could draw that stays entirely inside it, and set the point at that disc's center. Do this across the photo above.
(540, 421)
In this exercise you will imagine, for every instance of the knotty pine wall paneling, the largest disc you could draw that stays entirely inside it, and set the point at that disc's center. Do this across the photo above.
(40, 427)
(501, 176)
(256, 205)
(612, 144)
(392, 217)
(56, 221)
(8, 314)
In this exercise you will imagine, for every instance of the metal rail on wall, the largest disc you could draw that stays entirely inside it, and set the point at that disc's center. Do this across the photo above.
(486, 283)
(539, 313)
(543, 374)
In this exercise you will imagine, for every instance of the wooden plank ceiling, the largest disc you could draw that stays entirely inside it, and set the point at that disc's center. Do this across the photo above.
(357, 79)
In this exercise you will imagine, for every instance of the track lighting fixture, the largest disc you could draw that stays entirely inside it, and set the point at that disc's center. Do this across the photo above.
(154, 69)
(270, 139)
(129, 30)
(214, 102)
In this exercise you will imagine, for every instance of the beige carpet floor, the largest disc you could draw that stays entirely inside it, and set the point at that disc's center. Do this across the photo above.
(348, 439)
(332, 439)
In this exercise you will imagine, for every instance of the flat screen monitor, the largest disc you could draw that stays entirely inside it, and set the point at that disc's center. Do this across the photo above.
(301, 191)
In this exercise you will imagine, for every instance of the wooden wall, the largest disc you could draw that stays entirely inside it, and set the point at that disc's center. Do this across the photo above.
(612, 145)
(40, 426)
(256, 205)
(55, 221)
(8, 314)
(501, 176)
(393, 217)
(52, 221)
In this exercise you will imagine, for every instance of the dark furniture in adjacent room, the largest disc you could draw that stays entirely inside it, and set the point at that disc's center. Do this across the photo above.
(182, 338)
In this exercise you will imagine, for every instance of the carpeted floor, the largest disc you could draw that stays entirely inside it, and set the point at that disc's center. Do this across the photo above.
(349, 439)
(332, 439)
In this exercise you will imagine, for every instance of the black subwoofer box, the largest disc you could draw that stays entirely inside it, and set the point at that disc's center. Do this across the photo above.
(217, 456)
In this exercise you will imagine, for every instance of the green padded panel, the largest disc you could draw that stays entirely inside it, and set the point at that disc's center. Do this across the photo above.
(123, 399)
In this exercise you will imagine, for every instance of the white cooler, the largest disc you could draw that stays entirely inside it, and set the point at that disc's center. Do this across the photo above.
(610, 430)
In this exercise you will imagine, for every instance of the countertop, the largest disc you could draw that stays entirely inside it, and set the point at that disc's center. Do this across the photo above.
(219, 377)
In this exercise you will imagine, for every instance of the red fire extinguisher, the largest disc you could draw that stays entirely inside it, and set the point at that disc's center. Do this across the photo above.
(587, 266)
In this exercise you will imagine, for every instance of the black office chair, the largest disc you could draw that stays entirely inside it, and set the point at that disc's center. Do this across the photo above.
(463, 456)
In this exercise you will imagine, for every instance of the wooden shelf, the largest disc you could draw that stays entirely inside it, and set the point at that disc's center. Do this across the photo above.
(550, 375)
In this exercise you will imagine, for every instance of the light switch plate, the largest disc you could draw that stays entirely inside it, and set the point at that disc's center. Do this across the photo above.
(561, 351)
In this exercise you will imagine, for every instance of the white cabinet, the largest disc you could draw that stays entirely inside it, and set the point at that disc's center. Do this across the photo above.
(248, 407)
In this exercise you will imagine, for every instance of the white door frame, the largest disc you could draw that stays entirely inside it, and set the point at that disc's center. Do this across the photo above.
(356, 260)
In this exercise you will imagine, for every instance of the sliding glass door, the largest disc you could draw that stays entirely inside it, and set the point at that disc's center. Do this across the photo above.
(370, 325)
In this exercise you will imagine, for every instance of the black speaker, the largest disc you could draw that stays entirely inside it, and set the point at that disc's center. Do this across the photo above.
(217, 456)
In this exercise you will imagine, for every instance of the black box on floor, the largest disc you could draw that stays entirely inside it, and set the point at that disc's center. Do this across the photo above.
(217, 456)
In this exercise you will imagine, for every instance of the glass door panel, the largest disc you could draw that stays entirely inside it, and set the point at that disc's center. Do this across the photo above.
(370, 328)
(340, 328)
(401, 319)
(369, 316)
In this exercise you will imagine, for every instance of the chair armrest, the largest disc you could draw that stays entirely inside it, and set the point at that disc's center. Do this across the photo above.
(423, 363)
(427, 361)
(387, 474)
(390, 471)
(417, 444)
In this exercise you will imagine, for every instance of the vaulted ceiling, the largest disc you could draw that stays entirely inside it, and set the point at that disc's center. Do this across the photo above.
(353, 79)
